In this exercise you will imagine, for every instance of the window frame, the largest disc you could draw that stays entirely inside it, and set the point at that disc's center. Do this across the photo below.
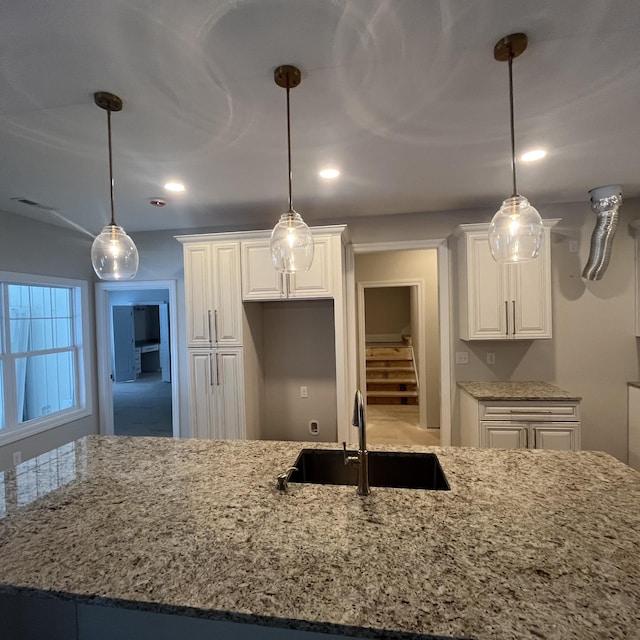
(14, 430)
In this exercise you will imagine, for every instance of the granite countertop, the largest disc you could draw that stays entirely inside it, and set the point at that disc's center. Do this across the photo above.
(534, 390)
(526, 544)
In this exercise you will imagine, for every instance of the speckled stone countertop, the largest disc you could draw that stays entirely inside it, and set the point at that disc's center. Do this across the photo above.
(526, 544)
(516, 391)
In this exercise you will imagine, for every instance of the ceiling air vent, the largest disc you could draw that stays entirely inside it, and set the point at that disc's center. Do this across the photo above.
(32, 203)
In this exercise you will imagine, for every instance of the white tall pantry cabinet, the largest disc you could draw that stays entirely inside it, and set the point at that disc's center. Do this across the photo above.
(221, 271)
(214, 339)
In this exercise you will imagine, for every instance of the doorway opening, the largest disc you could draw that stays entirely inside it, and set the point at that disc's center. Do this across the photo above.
(418, 272)
(137, 360)
(392, 349)
(141, 367)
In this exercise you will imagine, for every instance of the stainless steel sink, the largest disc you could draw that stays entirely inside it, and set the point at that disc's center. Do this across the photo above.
(405, 470)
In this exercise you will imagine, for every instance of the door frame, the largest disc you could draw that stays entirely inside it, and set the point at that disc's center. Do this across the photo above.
(362, 342)
(443, 316)
(104, 330)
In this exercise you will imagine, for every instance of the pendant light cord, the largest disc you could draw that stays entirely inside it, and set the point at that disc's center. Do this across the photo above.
(513, 135)
(113, 215)
(289, 147)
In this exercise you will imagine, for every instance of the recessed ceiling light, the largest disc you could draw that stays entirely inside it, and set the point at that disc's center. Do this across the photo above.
(329, 174)
(533, 155)
(174, 186)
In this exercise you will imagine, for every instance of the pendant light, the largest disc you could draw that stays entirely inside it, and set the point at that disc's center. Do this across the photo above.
(113, 254)
(291, 240)
(515, 232)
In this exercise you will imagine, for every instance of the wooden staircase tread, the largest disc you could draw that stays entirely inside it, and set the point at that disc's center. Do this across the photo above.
(392, 394)
(394, 358)
(391, 381)
(405, 352)
(388, 369)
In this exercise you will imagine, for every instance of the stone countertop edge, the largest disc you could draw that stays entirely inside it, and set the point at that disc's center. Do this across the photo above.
(369, 633)
(197, 528)
(520, 390)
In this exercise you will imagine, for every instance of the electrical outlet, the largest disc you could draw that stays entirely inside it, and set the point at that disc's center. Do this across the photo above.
(303, 392)
(573, 246)
(314, 427)
(462, 357)
(491, 358)
(17, 458)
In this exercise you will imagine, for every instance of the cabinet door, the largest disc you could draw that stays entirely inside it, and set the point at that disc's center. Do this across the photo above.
(260, 281)
(502, 302)
(317, 282)
(201, 393)
(558, 436)
(229, 395)
(530, 294)
(506, 435)
(485, 288)
(198, 294)
(227, 299)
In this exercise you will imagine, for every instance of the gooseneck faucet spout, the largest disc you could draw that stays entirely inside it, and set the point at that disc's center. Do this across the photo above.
(359, 420)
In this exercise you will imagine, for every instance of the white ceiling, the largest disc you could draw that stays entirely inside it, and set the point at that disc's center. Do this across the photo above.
(404, 96)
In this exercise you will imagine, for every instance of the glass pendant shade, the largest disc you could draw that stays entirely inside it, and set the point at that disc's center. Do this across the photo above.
(515, 233)
(114, 255)
(291, 244)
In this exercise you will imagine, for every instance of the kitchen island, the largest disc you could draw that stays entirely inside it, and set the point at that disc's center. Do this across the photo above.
(526, 544)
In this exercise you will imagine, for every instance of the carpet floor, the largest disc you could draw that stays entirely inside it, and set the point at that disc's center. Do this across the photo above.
(142, 407)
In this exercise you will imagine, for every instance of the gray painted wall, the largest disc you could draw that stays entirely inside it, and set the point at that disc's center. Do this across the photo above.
(387, 310)
(299, 350)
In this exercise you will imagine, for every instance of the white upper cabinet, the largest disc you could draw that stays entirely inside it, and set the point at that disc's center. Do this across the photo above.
(502, 301)
(260, 281)
(212, 283)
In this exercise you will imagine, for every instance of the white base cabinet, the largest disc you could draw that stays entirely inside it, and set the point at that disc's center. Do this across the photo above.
(529, 435)
(530, 424)
(216, 394)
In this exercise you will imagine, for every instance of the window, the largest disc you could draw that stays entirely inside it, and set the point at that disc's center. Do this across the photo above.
(43, 363)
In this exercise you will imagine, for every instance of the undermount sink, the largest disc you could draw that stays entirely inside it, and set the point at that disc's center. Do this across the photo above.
(403, 470)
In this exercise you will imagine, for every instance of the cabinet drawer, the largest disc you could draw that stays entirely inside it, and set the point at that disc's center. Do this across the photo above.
(542, 411)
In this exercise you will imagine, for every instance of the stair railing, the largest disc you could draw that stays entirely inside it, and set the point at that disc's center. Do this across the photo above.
(415, 369)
